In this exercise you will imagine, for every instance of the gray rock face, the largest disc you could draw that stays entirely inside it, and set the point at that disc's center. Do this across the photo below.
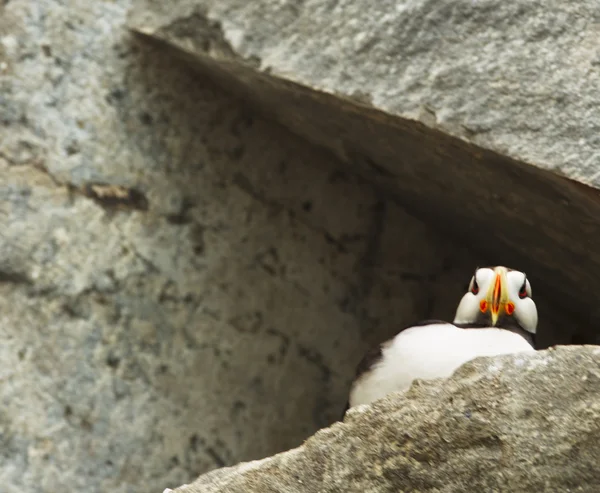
(445, 105)
(513, 423)
(217, 315)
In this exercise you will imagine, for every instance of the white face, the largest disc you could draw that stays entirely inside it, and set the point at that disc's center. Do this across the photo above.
(500, 297)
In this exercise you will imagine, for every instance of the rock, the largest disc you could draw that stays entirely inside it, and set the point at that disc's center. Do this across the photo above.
(470, 113)
(527, 423)
(176, 273)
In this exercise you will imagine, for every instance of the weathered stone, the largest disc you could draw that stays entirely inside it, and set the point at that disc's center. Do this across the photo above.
(446, 105)
(217, 313)
(526, 423)
(214, 317)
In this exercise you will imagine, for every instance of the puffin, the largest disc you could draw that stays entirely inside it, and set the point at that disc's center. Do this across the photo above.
(496, 316)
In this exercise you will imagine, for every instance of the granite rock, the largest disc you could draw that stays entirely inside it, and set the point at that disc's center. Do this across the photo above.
(183, 285)
(478, 115)
(527, 423)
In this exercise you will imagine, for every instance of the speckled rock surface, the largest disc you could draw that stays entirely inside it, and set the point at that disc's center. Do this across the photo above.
(216, 315)
(470, 113)
(514, 423)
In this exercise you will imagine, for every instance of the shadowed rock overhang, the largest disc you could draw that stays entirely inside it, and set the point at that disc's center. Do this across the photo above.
(479, 116)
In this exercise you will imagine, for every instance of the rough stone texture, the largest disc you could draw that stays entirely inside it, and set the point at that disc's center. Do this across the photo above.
(514, 423)
(444, 104)
(218, 314)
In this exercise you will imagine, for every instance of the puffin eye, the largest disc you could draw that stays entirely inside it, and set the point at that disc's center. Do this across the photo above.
(474, 286)
(523, 290)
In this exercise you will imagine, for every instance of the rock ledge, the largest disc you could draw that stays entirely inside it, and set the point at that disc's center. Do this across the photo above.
(527, 423)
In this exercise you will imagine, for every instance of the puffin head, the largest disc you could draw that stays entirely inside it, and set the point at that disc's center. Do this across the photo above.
(498, 297)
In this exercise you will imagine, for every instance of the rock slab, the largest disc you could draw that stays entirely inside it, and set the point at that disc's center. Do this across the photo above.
(521, 78)
(526, 423)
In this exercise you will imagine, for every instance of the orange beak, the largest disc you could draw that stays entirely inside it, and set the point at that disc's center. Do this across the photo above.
(497, 296)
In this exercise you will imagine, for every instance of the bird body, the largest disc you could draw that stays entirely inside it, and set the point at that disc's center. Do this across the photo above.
(427, 352)
(496, 316)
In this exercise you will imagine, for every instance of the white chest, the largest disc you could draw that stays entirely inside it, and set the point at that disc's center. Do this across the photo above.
(432, 351)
